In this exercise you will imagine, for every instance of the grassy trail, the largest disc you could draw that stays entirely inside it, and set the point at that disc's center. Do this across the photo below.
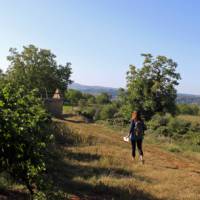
(102, 168)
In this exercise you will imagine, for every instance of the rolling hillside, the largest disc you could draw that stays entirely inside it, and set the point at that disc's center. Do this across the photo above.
(181, 98)
(94, 89)
(100, 167)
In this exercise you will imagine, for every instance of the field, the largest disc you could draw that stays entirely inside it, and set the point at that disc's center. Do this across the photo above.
(102, 168)
(92, 162)
(190, 118)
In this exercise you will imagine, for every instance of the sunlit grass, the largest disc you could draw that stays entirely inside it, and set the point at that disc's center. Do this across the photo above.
(190, 118)
(91, 161)
(104, 165)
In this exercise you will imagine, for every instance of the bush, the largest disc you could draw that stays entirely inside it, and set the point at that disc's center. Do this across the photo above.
(188, 109)
(72, 96)
(174, 149)
(108, 111)
(158, 121)
(125, 112)
(178, 126)
(163, 130)
(194, 138)
(24, 134)
(169, 126)
(103, 98)
(88, 113)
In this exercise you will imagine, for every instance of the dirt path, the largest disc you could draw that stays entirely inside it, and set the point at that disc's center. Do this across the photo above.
(164, 175)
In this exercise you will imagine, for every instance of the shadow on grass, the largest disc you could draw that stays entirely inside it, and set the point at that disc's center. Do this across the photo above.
(82, 119)
(68, 115)
(74, 178)
(65, 174)
(74, 121)
(85, 157)
(13, 195)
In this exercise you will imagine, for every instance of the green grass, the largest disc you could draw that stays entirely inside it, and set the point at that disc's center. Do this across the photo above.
(67, 109)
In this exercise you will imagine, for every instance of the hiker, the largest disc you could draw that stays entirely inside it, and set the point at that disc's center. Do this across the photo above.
(136, 134)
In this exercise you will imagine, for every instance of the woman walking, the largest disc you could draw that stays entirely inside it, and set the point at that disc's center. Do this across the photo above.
(136, 134)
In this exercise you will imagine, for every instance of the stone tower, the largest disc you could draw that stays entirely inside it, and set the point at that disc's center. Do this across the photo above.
(55, 104)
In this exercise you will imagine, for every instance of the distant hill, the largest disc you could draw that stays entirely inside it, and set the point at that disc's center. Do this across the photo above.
(188, 98)
(95, 90)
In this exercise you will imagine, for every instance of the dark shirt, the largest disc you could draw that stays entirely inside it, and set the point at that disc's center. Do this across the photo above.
(132, 132)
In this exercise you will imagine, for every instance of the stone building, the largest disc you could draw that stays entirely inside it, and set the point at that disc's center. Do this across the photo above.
(55, 104)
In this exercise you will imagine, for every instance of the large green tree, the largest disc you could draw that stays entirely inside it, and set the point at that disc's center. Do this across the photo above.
(1, 78)
(24, 134)
(151, 88)
(37, 68)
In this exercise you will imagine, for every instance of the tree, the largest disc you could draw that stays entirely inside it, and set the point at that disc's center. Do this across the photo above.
(24, 134)
(89, 98)
(121, 96)
(73, 96)
(36, 68)
(1, 78)
(103, 98)
(151, 89)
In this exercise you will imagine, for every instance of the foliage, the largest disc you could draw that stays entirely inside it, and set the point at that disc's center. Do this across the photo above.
(190, 109)
(108, 111)
(121, 96)
(88, 113)
(2, 78)
(89, 98)
(151, 89)
(24, 134)
(76, 97)
(174, 127)
(36, 68)
(103, 98)
(72, 96)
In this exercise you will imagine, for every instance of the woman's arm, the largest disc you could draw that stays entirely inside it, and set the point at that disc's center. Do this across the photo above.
(132, 126)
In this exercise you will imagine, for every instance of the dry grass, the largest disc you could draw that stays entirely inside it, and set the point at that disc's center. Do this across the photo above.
(92, 162)
(190, 118)
(101, 168)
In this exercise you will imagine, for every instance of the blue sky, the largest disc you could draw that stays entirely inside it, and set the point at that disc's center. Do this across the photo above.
(102, 37)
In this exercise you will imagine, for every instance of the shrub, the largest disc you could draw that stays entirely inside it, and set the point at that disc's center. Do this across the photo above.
(24, 134)
(178, 126)
(158, 121)
(73, 96)
(125, 112)
(189, 109)
(195, 127)
(88, 113)
(194, 137)
(108, 111)
(163, 130)
(174, 149)
(169, 126)
(103, 98)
